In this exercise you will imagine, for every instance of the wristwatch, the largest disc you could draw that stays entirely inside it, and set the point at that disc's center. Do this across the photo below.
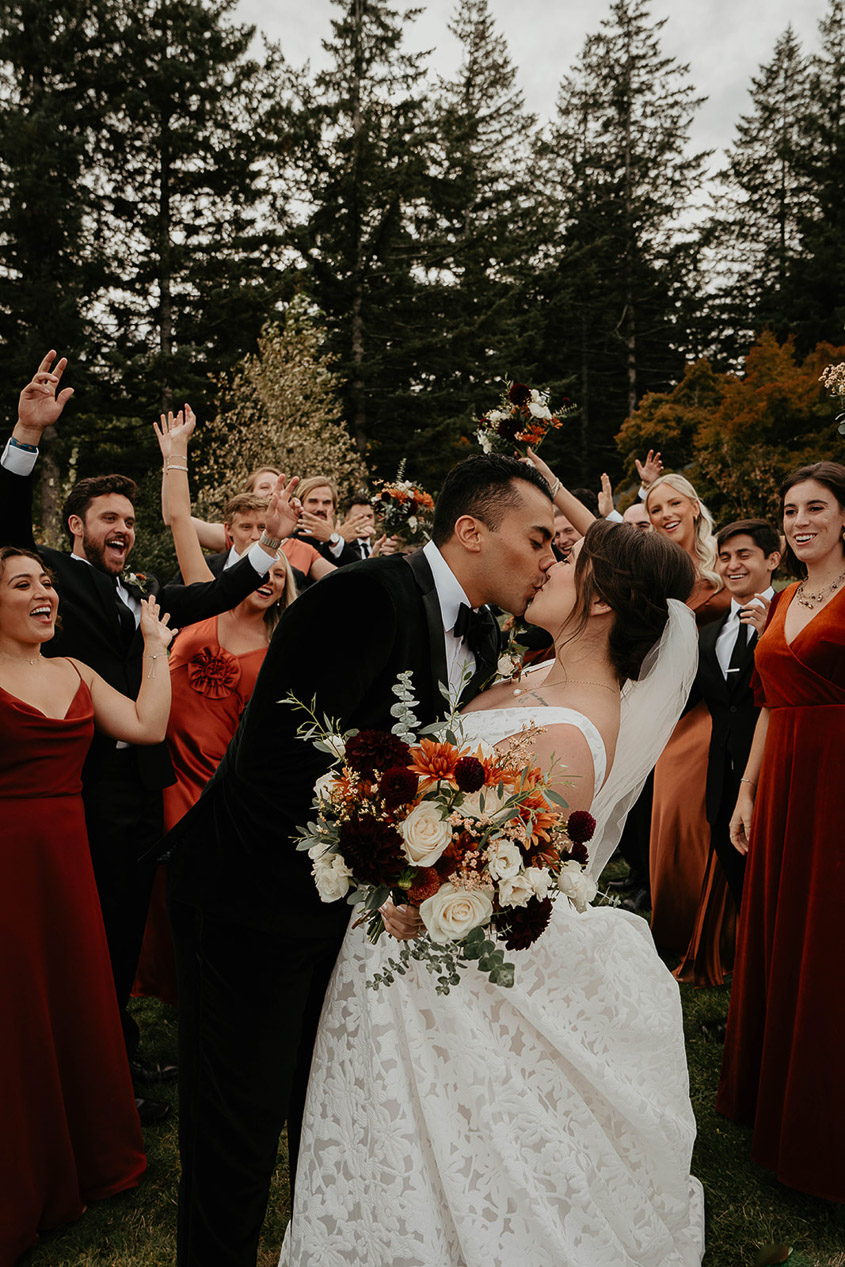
(335, 539)
(268, 542)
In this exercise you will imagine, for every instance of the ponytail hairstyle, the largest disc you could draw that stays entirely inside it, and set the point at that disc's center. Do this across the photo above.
(635, 573)
(704, 545)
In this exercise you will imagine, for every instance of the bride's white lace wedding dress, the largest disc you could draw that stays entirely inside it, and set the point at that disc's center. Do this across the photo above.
(546, 1125)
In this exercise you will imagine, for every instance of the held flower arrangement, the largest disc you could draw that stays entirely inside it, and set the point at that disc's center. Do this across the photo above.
(833, 378)
(522, 420)
(404, 509)
(473, 836)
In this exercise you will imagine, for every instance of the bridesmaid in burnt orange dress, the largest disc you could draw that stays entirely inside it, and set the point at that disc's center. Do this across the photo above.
(680, 835)
(782, 1070)
(70, 1132)
(213, 667)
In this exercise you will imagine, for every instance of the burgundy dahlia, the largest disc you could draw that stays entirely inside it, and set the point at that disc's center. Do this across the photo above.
(519, 394)
(398, 786)
(580, 826)
(469, 774)
(526, 923)
(373, 850)
(372, 750)
(426, 883)
(509, 428)
(577, 853)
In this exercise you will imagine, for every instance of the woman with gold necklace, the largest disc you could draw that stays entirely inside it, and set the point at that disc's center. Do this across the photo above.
(786, 1028)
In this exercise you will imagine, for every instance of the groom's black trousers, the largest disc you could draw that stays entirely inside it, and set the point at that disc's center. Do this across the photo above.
(249, 1004)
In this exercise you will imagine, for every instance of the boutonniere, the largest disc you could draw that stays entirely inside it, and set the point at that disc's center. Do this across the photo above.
(509, 665)
(138, 580)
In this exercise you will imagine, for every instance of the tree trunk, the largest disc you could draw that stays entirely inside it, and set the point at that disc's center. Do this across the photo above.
(51, 492)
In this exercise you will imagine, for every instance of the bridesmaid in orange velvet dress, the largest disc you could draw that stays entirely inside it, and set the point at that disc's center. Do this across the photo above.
(680, 834)
(213, 668)
(782, 1069)
(70, 1132)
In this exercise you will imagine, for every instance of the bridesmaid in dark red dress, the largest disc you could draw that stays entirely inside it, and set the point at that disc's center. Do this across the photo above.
(782, 1070)
(70, 1132)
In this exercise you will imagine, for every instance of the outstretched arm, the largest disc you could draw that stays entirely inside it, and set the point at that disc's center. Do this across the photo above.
(576, 512)
(40, 404)
(173, 435)
(39, 407)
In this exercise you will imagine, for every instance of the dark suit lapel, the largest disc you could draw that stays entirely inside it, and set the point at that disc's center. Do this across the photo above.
(486, 659)
(433, 617)
(714, 683)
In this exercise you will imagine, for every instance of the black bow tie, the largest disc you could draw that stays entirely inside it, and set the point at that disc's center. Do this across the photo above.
(472, 626)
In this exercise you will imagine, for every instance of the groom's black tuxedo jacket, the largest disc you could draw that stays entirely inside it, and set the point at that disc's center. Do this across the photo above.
(343, 643)
(90, 628)
(734, 716)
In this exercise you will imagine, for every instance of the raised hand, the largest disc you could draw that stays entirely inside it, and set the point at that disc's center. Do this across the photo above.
(650, 469)
(174, 432)
(605, 496)
(154, 628)
(315, 526)
(384, 546)
(39, 405)
(284, 509)
(543, 467)
(756, 612)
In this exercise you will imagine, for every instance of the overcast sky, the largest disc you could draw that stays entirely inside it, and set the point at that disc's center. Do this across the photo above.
(724, 41)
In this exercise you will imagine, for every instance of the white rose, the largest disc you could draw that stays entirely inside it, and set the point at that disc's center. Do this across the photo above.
(504, 860)
(576, 885)
(335, 745)
(485, 441)
(506, 666)
(322, 788)
(515, 892)
(540, 880)
(452, 913)
(425, 834)
(539, 411)
(470, 807)
(496, 415)
(413, 523)
(331, 876)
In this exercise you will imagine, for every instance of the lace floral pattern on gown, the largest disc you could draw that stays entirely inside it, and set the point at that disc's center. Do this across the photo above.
(548, 1124)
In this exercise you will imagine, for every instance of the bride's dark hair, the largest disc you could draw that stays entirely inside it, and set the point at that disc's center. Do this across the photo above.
(634, 572)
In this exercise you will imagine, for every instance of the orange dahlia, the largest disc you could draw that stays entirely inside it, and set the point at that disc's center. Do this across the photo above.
(434, 762)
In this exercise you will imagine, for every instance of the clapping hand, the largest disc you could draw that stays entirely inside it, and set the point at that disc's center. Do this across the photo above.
(39, 407)
(650, 469)
(284, 510)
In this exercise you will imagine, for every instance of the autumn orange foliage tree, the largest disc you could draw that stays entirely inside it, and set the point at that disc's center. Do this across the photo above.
(737, 435)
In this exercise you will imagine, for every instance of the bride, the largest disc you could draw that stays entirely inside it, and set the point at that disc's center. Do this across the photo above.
(549, 1124)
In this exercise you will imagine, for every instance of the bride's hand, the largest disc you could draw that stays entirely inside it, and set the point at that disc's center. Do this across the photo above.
(402, 922)
(543, 467)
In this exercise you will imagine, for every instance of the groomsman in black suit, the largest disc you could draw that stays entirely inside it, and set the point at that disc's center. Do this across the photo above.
(254, 944)
(318, 496)
(99, 614)
(749, 553)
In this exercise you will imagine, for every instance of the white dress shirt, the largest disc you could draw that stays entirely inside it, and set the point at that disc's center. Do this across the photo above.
(728, 634)
(460, 661)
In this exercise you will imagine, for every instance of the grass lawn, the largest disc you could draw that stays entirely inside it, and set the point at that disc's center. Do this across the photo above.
(746, 1207)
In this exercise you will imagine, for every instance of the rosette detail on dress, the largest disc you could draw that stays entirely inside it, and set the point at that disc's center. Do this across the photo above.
(214, 674)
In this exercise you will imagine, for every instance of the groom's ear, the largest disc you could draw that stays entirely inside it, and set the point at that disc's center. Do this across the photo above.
(469, 532)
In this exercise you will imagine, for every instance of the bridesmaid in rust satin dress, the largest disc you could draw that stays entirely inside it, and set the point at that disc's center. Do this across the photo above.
(70, 1131)
(680, 834)
(782, 1070)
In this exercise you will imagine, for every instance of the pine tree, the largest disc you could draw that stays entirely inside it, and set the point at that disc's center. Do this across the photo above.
(353, 149)
(179, 166)
(621, 304)
(755, 238)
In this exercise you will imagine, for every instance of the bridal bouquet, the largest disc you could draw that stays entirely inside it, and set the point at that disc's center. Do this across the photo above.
(522, 420)
(404, 509)
(473, 836)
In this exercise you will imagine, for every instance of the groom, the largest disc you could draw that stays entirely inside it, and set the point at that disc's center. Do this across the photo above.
(254, 945)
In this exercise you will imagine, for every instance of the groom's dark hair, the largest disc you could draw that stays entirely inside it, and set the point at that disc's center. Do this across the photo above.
(484, 487)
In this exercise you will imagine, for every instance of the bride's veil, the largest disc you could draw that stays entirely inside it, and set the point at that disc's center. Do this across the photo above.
(651, 707)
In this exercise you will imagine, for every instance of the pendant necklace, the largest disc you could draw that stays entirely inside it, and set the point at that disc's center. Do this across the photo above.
(812, 600)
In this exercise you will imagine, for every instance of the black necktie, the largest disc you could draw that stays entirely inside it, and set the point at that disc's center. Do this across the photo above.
(125, 615)
(740, 647)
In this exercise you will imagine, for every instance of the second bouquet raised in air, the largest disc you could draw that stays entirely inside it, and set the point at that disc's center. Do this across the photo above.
(474, 836)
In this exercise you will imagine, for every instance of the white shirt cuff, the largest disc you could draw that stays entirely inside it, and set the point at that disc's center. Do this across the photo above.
(642, 493)
(18, 461)
(336, 548)
(615, 517)
(262, 560)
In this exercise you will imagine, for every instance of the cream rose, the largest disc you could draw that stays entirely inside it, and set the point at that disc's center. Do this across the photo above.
(576, 885)
(322, 788)
(452, 913)
(516, 891)
(504, 860)
(470, 807)
(425, 834)
(332, 877)
(540, 880)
